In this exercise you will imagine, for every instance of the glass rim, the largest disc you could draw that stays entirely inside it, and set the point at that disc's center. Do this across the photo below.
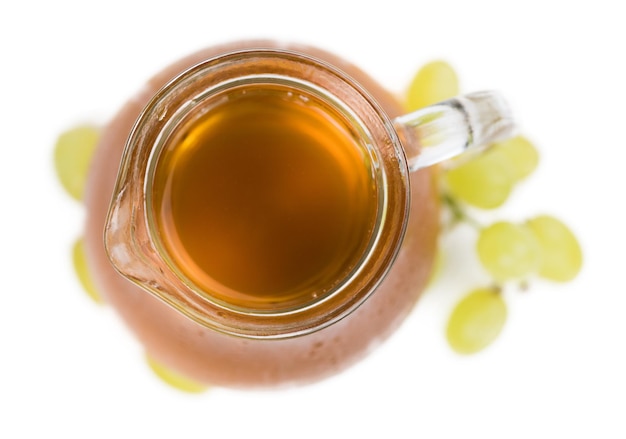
(179, 117)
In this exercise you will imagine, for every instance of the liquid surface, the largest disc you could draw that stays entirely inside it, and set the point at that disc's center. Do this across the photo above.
(266, 199)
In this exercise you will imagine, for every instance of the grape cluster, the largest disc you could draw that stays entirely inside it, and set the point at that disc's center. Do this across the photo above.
(510, 252)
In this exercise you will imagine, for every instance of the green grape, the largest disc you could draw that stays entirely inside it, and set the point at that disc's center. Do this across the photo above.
(82, 271)
(434, 82)
(476, 321)
(521, 154)
(484, 181)
(562, 256)
(72, 156)
(508, 251)
(173, 378)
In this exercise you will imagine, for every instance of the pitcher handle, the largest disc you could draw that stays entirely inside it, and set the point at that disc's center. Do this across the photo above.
(444, 130)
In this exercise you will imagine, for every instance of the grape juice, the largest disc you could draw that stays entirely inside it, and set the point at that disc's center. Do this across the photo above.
(266, 200)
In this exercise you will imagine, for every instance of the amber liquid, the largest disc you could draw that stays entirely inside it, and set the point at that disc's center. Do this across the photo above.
(267, 200)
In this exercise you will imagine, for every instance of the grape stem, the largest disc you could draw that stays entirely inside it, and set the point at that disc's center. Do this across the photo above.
(524, 286)
(459, 214)
(496, 289)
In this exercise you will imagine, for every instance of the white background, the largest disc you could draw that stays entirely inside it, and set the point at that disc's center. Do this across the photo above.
(70, 369)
